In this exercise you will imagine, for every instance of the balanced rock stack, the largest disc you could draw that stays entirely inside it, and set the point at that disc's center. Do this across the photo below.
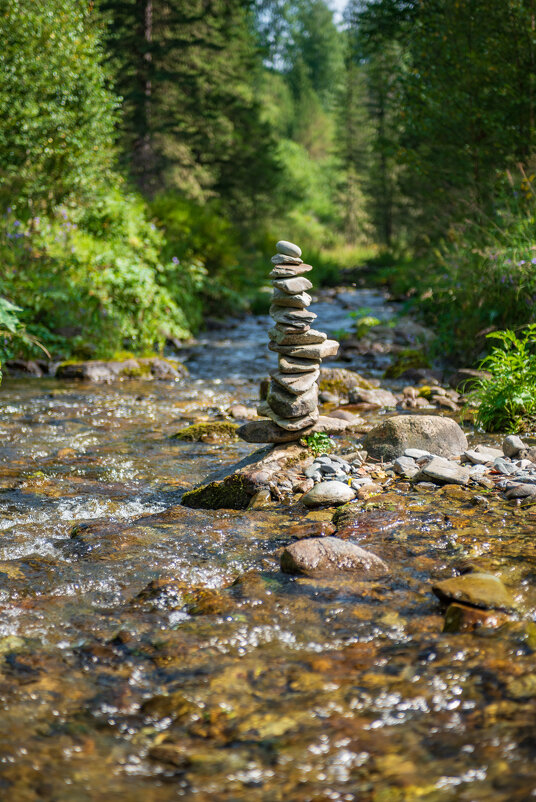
(292, 399)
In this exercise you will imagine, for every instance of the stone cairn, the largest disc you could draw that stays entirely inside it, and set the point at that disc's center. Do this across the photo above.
(292, 399)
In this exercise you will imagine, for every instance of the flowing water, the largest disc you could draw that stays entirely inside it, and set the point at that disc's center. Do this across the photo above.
(150, 652)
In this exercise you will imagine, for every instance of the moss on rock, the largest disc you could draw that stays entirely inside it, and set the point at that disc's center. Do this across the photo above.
(407, 359)
(210, 432)
(232, 493)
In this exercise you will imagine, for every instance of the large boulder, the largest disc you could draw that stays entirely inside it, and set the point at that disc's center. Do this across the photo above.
(433, 433)
(330, 555)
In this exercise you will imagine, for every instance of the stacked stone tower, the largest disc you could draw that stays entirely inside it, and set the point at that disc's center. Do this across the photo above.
(292, 399)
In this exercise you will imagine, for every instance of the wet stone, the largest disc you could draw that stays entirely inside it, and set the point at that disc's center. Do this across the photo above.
(512, 445)
(444, 472)
(438, 435)
(328, 493)
(460, 618)
(330, 555)
(296, 384)
(477, 589)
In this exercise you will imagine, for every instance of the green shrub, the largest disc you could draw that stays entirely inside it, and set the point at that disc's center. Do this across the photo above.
(507, 400)
(91, 280)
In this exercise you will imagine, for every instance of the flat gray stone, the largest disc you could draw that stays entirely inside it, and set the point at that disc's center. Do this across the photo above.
(417, 453)
(291, 424)
(299, 318)
(313, 351)
(296, 384)
(289, 271)
(482, 455)
(283, 336)
(331, 492)
(299, 301)
(442, 471)
(266, 431)
(330, 555)
(289, 405)
(288, 364)
(283, 259)
(433, 433)
(292, 286)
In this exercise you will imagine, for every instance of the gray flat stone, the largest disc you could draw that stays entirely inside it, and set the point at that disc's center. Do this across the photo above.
(283, 259)
(292, 286)
(288, 248)
(299, 318)
(289, 405)
(482, 455)
(378, 397)
(283, 336)
(299, 301)
(289, 271)
(295, 365)
(443, 471)
(296, 384)
(291, 424)
(313, 351)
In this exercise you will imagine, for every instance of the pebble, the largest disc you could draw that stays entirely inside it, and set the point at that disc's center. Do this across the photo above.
(331, 492)
(282, 259)
(512, 445)
(292, 286)
(417, 453)
(288, 248)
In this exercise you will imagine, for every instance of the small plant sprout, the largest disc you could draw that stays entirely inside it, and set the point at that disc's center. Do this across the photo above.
(319, 443)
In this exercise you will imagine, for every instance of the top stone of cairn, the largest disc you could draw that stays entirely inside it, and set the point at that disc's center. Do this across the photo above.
(288, 248)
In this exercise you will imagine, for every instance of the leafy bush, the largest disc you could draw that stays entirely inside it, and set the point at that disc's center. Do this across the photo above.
(91, 279)
(507, 400)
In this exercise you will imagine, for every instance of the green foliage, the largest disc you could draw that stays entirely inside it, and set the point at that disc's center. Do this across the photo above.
(507, 400)
(12, 331)
(91, 280)
(319, 443)
(56, 110)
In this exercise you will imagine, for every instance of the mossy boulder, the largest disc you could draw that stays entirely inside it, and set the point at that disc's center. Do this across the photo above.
(232, 493)
(130, 368)
(210, 432)
(341, 381)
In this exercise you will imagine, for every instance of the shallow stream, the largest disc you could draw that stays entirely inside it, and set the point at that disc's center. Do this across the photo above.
(150, 652)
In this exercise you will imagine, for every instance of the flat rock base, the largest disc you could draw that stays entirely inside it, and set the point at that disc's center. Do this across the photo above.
(265, 431)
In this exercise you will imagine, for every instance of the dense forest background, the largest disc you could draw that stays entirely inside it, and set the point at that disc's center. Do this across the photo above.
(152, 151)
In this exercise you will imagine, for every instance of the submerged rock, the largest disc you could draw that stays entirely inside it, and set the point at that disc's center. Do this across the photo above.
(328, 555)
(438, 435)
(460, 618)
(476, 589)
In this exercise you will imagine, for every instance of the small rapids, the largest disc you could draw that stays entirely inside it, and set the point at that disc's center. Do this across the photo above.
(150, 652)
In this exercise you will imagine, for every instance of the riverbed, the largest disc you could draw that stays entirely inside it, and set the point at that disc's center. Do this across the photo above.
(150, 652)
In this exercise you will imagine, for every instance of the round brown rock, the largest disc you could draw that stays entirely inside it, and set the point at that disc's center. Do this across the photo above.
(330, 555)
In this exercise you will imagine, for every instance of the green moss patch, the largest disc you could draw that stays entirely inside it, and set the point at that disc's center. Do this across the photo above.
(211, 432)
